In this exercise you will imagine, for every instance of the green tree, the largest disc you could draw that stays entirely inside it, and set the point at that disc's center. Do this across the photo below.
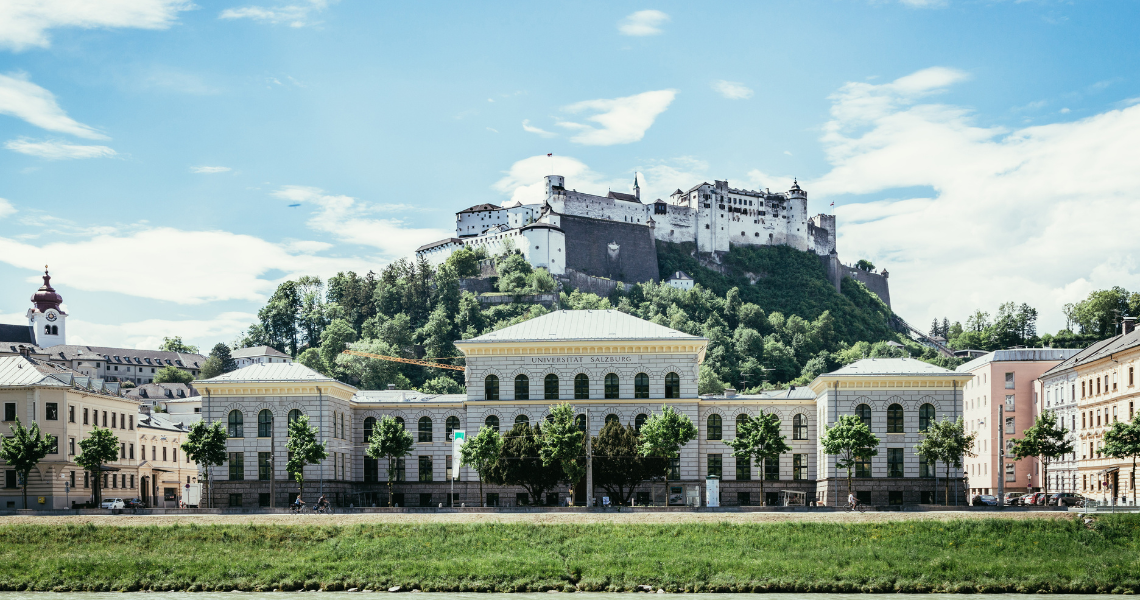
(219, 362)
(618, 465)
(480, 453)
(24, 449)
(279, 317)
(389, 440)
(98, 449)
(206, 445)
(758, 438)
(311, 358)
(708, 382)
(465, 263)
(562, 443)
(334, 340)
(663, 435)
(372, 373)
(1047, 440)
(849, 441)
(865, 265)
(1122, 441)
(175, 344)
(172, 374)
(304, 449)
(520, 463)
(442, 385)
(949, 443)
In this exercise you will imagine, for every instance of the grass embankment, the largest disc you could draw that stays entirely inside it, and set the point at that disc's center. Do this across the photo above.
(918, 556)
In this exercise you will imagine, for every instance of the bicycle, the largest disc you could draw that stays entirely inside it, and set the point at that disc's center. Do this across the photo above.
(856, 507)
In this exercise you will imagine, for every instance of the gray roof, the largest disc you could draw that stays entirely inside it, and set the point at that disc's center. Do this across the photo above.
(270, 372)
(18, 371)
(1099, 350)
(162, 422)
(400, 396)
(891, 366)
(443, 242)
(1019, 355)
(585, 325)
(17, 334)
(791, 393)
(160, 391)
(680, 275)
(258, 351)
(122, 356)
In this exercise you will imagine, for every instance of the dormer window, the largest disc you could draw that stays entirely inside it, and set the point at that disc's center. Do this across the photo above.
(178, 362)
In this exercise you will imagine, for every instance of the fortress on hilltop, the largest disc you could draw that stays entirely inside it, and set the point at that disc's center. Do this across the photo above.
(614, 236)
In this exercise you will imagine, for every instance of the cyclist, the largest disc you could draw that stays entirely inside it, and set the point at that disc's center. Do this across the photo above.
(298, 504)
(852, 502)
(322, 504)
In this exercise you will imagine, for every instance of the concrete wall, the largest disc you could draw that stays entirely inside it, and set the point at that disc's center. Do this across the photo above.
(589, 284)
(588, 249)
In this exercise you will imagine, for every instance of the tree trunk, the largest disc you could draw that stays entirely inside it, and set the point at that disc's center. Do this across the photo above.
(391, 466)
(25, 486)
(946, 500)
(762, 502)
(482, 499)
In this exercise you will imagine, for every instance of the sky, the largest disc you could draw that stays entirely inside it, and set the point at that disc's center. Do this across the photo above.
(174, 161)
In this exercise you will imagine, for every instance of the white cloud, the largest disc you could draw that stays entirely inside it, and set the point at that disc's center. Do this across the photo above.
(643, 22)
(1037, 215)
(732, 89)
(6, 208)
(25, 100)
(528, 127)
(246, 259)
(24, 23)
(525, 181)
(348, 219)
(295, 15)
(924, 3)
(148, 333)
(623, 120)
(209, 170)
(53, 150)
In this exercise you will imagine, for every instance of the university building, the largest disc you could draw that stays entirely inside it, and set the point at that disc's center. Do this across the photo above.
(609, 366)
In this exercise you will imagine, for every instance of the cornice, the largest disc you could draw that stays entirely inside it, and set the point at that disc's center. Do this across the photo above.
(474, 349)
(336, 390)
(890, 382)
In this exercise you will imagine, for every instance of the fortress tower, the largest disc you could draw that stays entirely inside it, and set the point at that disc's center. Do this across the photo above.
(46, 318)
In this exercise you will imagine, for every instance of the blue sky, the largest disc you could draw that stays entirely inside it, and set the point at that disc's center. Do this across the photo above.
(173, 162)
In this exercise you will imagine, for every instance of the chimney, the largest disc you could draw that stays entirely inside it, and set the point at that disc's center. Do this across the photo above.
(391, 386)
(1129, 324)
(729, 392)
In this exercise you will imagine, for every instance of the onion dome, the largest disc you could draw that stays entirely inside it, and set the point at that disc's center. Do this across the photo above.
(46, 297)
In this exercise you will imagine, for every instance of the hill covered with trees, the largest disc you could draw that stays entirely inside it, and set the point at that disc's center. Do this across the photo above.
(785, 328)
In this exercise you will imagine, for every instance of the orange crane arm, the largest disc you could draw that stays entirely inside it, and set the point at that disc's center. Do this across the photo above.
(410, 361)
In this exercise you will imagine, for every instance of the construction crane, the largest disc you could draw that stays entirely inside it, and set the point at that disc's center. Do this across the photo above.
(409, 361)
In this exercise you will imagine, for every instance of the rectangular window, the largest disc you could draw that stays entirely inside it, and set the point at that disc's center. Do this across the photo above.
(1131, 375)
(164, 453)
(237, 466)
(71, 414)
(1009, 426)
(263, 500)
(71, 446)
(863, 467)
(85, 422)
(674, 473)
(10, 480)
(122, 450)
(51, 411)
(924, 467)
(174, 453)
(799, 467)
(131, 422)
(425, 468)
(492, 499)
(1009, 404)
(9, 411)
(264, 466)
(744, 469)
(235, 500)
(113, 415)
(772, 469)
(104, 419)
(131, 451)
(399, 470)
(1010, 475)
(86, 479)
(1009, 381)
(715, 465)
(894, 462)
(425, 499)
(370, 468)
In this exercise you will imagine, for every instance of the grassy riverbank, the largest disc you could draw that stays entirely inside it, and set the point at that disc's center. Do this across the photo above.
(990, 555)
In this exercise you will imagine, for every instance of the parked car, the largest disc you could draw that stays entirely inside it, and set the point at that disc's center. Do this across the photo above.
(113, 503)
(1040, 499)
(1011, 498)
(1064, 499)
(986, 500)
(134, 503)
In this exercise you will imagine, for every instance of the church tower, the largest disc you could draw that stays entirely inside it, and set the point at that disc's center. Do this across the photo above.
(636, 188)
(46, 318)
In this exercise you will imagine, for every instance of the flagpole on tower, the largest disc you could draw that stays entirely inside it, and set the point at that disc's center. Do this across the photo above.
(550, 155)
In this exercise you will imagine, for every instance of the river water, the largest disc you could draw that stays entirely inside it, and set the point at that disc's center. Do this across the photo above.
(527, 596)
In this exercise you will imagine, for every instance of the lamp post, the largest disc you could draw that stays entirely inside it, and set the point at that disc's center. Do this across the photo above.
(66, 490)
(1029, 485)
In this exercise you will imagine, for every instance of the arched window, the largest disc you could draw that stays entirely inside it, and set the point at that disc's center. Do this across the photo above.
(611, 386)
(799, 427)
(492, 421)
(451, 424)
(294, 415)
(714, 427)
(550, 387)
(925, 416)
(864, 413)
(522, 387)
(581, 387)
(369, 427)
(895, 418)
(425, 429)
(55, 329)
(741, 419)
(265, 423)
(47, 329)
(580, 422)
(491, 387)
(641, 385)
(672, 386)
(612, 418)
(236, 429)
(522, 420)
(638, 421)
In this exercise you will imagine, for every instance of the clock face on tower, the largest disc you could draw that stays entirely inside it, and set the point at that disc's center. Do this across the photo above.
(51, 316)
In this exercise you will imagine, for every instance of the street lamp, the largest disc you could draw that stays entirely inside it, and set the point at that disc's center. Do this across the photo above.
(66, 490)
(1029, 487)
